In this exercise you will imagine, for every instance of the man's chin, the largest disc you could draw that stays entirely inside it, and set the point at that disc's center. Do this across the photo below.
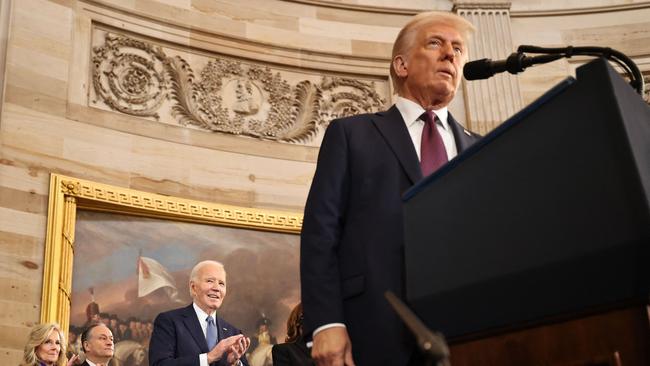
(442, 95)
(214, 306)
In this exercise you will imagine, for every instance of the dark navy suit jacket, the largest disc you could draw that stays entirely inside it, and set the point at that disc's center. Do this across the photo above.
(292, 354)
(352, 234)
(178, 340)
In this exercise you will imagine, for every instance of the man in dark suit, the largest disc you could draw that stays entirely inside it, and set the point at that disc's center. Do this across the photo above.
(195, 335)
(352, 235)
(97, 344)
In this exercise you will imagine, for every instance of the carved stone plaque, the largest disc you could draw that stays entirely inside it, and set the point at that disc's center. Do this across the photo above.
(222, 94)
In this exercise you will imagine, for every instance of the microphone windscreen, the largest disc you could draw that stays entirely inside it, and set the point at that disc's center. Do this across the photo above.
(479, 69)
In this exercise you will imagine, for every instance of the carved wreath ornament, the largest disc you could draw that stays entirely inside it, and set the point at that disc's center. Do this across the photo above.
(228, 96)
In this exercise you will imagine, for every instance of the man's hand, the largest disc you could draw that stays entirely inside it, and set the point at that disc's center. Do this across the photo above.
(223, 347)
(237, 350)
(332, 347)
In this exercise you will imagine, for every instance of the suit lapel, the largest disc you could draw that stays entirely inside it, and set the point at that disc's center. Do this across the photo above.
(462, 136)
(194, 327)
(392, 127)
(222, 331)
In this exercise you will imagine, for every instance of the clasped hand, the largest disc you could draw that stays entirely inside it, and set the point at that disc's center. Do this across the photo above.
(233, 348)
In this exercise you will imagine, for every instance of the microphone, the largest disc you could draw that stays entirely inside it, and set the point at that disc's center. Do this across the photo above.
(518, 61)
(515, 63)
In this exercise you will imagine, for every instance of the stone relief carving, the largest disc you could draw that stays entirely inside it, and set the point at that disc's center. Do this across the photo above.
(129, 82)
(224, 95)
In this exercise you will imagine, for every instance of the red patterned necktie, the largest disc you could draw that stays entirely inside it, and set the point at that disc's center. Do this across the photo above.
(432, 150)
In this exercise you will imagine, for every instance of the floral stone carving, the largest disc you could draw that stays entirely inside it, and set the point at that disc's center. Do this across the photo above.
(225, 95)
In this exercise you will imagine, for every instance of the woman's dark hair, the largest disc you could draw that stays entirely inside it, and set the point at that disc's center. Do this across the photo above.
(294, 324)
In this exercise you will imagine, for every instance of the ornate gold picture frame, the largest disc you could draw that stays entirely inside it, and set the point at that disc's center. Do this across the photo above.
(68, 194)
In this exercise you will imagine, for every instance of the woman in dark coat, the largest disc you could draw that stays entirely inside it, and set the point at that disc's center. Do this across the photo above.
(295, 351)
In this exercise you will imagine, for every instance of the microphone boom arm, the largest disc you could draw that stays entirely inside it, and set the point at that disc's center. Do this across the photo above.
(518, 61)
(626, 63)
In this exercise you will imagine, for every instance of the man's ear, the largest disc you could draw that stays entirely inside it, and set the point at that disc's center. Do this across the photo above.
(400, 66)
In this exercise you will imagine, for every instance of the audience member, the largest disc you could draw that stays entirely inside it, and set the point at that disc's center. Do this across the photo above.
(97, 344)
(195, 335)
(295, 351)
(46, 347)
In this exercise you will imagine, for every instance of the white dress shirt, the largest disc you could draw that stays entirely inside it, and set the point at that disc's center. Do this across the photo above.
(202, 316)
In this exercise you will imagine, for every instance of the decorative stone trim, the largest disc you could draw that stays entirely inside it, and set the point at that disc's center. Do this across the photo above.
(224, 95)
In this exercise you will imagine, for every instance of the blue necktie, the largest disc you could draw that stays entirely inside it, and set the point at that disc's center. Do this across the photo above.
(211, 333)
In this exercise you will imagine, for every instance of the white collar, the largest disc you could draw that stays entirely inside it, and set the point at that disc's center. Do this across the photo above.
(202, 315)
(91, 363)
(412, 111)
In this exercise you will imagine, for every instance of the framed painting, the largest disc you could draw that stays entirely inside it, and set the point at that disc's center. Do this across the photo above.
(122, 256)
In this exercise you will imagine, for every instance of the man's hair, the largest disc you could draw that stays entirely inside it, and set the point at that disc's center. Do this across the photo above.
(39, 334)
(406, 37)
(86, 333)
(195, 271)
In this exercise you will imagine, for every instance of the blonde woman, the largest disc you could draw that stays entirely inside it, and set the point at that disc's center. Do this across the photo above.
(46, 347)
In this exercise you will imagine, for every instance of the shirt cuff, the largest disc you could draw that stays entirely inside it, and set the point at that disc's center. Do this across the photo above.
(327, 326)
(203, 359)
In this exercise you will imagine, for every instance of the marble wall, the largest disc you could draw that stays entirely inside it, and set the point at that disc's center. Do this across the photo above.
(284, 69)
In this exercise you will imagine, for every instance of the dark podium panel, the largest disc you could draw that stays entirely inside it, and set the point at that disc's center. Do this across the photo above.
(547, 217)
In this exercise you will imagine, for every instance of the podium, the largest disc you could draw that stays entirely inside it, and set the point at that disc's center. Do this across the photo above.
(533, 246)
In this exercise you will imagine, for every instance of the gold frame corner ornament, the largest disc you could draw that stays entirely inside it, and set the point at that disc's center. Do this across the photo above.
(67, 194)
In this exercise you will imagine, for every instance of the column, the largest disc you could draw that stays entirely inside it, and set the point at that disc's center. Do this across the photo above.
(489, 102)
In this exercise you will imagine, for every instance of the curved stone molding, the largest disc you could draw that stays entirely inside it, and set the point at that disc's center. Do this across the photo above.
(224, 95)
(539, 9)
(397, 8)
